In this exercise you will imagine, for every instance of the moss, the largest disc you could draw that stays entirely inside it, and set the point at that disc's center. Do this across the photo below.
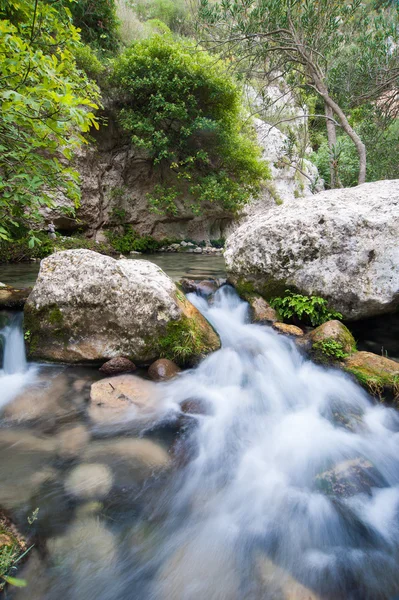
(328, 351)
(183, 342)
(380, 386)
(33, 328)
(267, 289)
(55, 316)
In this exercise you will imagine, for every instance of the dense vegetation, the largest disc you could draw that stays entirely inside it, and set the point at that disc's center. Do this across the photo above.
(179, 106)
(182, 105)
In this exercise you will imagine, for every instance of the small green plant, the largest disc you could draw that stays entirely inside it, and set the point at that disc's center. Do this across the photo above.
(330, 350)
(312, 309)
(218, 243)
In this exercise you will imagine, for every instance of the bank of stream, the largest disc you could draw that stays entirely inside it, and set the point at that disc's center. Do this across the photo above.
(258, 475)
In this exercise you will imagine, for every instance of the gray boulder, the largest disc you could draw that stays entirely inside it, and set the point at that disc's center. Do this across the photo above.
(86, 307)
(341, 245)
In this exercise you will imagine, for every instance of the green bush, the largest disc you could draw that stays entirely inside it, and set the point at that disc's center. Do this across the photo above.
(131, 241)
(21, 250)
(184, 111)
(311, 309)
(88, 62)
(174, 13)
(97, 22)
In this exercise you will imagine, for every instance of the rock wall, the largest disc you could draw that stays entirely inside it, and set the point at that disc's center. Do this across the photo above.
(116, 177)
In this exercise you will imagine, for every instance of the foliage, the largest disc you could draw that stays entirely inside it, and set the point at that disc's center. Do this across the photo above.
(131, 241)
(174, 13)
(20, 250)
(182, 109)
(312, 309)
(47, 105)
(309, 43)
(97, 22)
(219, 243)
(88, 62)
(330, 349)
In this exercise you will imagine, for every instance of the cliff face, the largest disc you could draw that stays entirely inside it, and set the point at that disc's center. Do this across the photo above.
(116, 178)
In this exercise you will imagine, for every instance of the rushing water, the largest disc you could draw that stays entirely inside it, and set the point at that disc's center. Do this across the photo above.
(247, 511)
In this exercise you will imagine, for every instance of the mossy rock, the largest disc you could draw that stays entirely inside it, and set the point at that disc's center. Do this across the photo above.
(331, 342)
(377, 374)
(88, 308)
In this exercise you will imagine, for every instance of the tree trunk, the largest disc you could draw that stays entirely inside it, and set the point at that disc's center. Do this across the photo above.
(332, 141)
(360, 147)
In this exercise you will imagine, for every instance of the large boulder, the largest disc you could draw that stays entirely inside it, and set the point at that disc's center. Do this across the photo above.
(86, 307)
(341, 244)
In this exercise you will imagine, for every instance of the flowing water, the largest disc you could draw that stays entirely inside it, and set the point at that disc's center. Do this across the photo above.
(283, 482)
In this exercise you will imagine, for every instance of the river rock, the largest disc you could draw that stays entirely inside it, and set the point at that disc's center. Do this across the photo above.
(135, 458)
(341, 245)
(287, 329)
(13, 298)
(88, 307)
(163, 370)
(89, 481)
(335, 331)
(89, 553)
(348, 478)
(261, 311)
(204, 288)
(40, 402)
(377, 374)
(71, 441)
(118, 365)
(120, 398)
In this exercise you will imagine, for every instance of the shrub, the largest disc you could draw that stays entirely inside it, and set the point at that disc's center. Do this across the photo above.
(312, 309)
(97, 22)
(184, 111)
(131, 241)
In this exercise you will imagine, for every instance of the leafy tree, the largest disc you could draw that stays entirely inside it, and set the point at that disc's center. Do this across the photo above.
(47, 106)
(184, 112)
(97, 22)
(301, 40)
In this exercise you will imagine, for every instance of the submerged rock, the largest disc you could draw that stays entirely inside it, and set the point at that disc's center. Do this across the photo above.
(348, 478)
(204, 288)
(118, 365)
(163, 370)
(379, 375)
(87, 307)
(131, 458)
(71, 441)
(89, 481)
(341, 245)
(120, 398)
(287, 329)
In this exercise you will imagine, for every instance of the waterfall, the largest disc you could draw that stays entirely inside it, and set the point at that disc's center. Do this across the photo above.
(14, 356)
(293, 477)
(15, 374)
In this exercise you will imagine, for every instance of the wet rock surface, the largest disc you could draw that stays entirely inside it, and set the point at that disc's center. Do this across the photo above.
(163, 370)
(118, 365)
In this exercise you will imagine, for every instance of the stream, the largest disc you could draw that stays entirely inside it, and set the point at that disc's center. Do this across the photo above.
(280, 478)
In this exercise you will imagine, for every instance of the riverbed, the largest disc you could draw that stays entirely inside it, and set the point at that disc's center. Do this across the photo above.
(257, 476)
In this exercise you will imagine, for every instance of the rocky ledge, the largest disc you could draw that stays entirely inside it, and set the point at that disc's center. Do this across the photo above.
(87, 308)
